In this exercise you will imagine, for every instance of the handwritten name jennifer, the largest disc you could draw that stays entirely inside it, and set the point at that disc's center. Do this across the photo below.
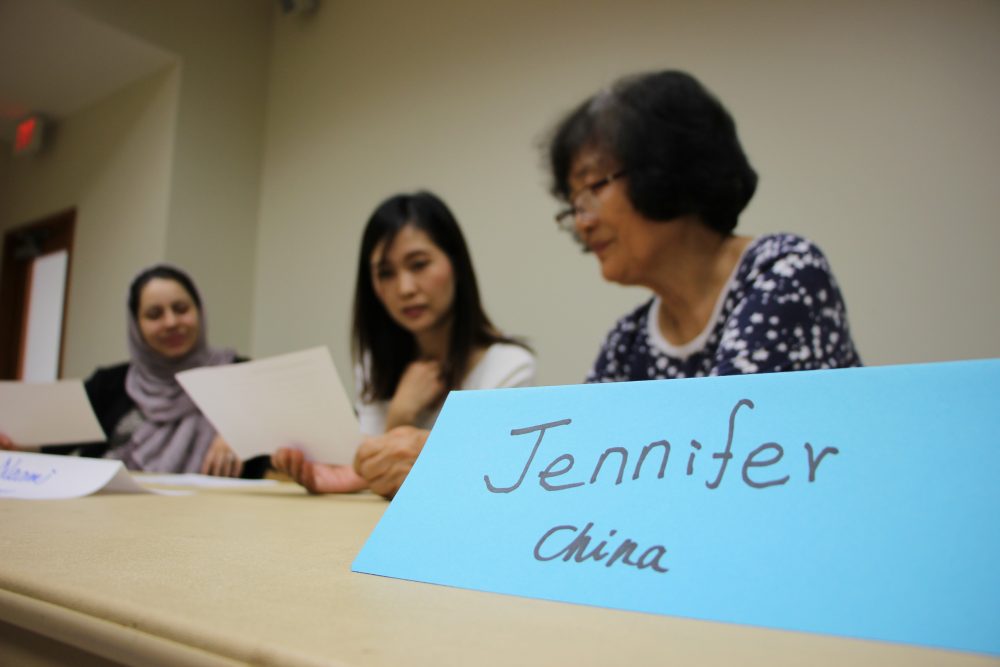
(753, 471)
(11, 471)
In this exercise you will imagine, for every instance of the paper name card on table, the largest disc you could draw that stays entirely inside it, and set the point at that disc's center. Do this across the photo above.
(858, 502)
(47, 477)
(293, 399)
(47, 413)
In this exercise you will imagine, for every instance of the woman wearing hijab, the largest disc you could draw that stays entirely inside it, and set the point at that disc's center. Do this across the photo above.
(150, 422)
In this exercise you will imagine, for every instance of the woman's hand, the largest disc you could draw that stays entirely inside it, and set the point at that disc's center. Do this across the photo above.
(420, 387)
(385, 461)
(220, 460)
(316, 477)
(8, 444)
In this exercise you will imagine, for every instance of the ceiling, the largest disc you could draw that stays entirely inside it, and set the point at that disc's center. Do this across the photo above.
(57, 61)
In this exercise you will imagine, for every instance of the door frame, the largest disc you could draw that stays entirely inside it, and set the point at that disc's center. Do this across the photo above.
(21, 246)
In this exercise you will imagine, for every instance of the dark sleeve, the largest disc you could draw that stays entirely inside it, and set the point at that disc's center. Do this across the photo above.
(792, 317)
(106, 391)
(256, 467)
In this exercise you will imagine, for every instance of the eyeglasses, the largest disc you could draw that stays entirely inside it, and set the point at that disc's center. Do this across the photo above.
(584, 200)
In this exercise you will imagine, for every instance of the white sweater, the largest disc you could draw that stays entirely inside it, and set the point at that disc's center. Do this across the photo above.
(503, 365)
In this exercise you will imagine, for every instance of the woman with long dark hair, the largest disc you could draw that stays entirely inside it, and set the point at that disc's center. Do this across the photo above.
(419, 325)
(419, 330)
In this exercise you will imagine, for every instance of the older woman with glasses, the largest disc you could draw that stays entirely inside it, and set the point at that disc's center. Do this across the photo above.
(655, 180)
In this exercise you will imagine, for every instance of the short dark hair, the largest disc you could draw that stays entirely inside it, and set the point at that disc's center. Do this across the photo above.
(165, 272)
(381, 343)
(674, 139)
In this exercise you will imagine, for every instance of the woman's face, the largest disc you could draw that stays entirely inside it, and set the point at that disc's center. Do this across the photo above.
(628, 245)
(414, 280)
(168, 318)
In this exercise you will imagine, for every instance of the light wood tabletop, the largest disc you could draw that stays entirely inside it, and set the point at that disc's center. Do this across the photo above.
(261, 575)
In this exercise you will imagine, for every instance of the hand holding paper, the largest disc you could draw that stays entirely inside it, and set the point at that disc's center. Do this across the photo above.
(221, 460)
(292, 400)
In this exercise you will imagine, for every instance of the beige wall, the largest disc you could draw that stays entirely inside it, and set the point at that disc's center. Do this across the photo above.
(223, 46)
(112, 162)
(873, 126)
(165, 171)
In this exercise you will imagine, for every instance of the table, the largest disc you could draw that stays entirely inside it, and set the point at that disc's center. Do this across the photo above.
(262, 576)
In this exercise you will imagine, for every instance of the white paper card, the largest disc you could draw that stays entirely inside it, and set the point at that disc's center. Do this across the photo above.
(292, 400)
(47, 413)
(45, 476)
(202, 481)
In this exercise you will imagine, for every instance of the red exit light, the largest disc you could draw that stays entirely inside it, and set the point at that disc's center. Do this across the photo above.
(28, 136)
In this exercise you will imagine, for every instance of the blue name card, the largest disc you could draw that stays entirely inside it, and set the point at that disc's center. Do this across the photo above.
(859, 502)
